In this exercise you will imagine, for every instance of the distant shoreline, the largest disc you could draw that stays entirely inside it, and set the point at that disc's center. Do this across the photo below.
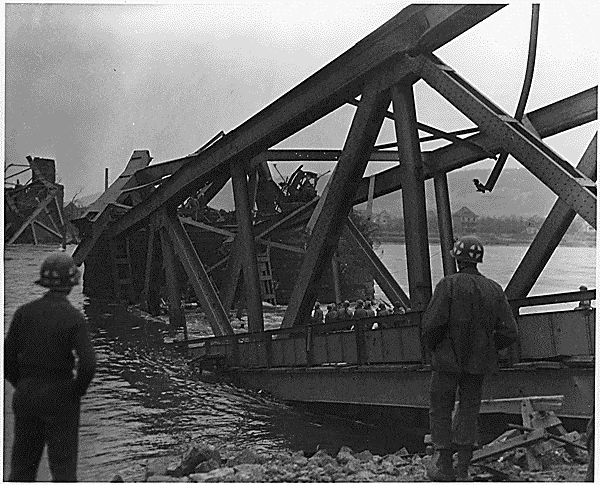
(492, 241)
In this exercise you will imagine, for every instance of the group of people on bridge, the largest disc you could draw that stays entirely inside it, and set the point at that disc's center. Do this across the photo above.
(363, 309)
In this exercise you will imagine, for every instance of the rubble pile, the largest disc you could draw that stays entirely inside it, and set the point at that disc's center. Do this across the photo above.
(204, 463)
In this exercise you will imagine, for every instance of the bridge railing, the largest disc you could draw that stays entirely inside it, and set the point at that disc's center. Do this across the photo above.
(396, 339)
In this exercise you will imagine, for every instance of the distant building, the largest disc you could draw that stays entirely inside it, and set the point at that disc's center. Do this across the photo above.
(464, 221)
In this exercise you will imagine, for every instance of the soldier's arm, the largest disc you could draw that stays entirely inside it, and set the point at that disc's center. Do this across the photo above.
(11, 351)
(87, 358)
(506, 332)
(436, 317)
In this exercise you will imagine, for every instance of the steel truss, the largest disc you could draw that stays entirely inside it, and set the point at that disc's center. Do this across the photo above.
(381, 69)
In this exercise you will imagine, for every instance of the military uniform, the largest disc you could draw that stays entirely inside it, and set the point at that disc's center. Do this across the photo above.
(466, 322)
(39, 363)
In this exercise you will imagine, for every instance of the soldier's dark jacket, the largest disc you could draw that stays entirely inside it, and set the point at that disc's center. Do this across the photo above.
(40, 341)
(466, 322)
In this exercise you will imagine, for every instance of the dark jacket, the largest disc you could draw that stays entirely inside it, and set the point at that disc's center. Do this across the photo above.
(317, 317)
(331, 316)
(344, 314)
(467, 321)
(41, 339)
(359, 313)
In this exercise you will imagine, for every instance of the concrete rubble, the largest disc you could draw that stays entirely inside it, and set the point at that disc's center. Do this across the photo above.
(203, 463)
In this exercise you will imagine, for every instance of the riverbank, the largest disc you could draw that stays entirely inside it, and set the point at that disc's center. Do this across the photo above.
(204, 463)
(489, 239)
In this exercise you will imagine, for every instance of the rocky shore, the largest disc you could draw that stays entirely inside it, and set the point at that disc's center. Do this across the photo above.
(203, 463)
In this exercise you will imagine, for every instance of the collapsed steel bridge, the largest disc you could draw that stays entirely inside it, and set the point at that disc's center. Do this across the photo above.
(378, 72)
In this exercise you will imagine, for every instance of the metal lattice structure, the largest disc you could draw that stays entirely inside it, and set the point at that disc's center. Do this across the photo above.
(378, 72)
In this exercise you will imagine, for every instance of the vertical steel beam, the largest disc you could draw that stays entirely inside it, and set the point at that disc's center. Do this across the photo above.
(383, 277)
(345, 180)
(413, 196)
(232, 276)
(33, 233)
(243, 216)
(176, 313)
(550, 234)
(444, 215)
(151, 294)
(207, 296)
(335, 272)
(370, 197)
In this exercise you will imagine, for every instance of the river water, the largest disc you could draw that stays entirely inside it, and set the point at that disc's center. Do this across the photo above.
(145, 401)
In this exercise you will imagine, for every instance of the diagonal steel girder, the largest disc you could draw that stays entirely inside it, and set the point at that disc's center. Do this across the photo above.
(381, 274)
(573, 187)
(345, 179)
(550, 234)
(557, 117)
(203, 287)
(329, 88)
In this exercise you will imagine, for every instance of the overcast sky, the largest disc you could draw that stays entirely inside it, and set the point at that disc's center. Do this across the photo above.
(88, 84)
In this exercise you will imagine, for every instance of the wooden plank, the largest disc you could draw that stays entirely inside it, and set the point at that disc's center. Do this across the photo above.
(502, 447)
(323, 242)
(513, 405)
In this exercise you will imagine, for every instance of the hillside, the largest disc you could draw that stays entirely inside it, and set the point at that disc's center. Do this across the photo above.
(517, 192)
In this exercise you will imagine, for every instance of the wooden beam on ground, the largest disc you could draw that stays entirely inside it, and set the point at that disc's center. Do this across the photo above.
(243, 216)
(413, 197)
(319, 95)
(573, 187)
(563, 115)
(351, 166)
(32, 217)
(513, 405)
(504, 446)
(203, 287)
(550, 233)
(383, 277)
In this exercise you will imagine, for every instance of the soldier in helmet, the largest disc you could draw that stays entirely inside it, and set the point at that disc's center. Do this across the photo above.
(467, 321)
(40, 347)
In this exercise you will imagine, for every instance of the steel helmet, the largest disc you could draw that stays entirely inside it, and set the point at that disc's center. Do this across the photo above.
(58, 272)
(469, 249)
